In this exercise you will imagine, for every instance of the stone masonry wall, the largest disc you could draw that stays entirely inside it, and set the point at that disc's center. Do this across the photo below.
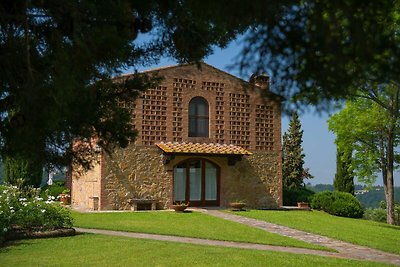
(136, 172)
(255, 179)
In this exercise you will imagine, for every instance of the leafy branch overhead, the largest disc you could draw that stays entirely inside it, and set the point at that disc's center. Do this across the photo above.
(58, 58)
(57, 62)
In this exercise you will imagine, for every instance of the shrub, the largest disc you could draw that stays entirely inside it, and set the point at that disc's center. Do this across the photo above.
(322, 200)
(347, 207)
(292, 196)
(21, 210)
(397, 213)
(52, 190)
(9, 196)
(338, 203)
(377, 215)
(42, 215)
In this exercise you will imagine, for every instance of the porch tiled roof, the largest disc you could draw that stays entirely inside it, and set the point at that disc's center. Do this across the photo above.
(202, 148)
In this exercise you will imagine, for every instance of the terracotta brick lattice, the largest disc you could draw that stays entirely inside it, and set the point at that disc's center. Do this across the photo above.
(218, 89)
(179, 85)
(264, 127)
(239, 119)
(154, 115)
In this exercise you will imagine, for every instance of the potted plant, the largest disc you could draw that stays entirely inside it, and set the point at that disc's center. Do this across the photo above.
(65, 197)
(237, 205)
(180, 206)
(303, 205)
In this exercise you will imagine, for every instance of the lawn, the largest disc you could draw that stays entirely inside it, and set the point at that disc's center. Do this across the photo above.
(362, 232)
(97, 250)
(192, 224)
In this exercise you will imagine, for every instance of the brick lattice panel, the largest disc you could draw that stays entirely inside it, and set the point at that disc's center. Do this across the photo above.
(239, 119)
(264, 127)
(179, 86)
(218, 89)
(154, 115)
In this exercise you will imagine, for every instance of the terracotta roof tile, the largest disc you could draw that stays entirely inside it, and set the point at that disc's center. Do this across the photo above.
(201, 148)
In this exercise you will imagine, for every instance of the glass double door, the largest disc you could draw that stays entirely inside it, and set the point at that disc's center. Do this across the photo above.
(197, 182)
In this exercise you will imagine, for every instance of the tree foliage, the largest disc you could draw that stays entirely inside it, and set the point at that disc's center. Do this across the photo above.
(293, 171)
(57, 60)
(344, 178)
(369, 125)
(318, 51)
(18, 168)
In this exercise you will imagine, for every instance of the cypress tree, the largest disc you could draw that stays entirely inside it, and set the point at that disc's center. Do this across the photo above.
(293, 157)
(18, 168)
(344, 177)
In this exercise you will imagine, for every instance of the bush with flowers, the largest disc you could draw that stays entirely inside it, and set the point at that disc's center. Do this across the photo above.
(22, 209)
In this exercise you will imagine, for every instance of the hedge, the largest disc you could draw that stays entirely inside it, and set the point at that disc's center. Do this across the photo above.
(338, 203)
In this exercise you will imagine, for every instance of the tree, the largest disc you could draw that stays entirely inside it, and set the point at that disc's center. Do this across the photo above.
(293, 171)
(344, 178)
(316, 50)
(1, 172)
(57, 60)
(369, 125)
(29, 171)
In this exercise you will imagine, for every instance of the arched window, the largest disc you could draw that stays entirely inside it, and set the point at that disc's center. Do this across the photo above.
(198, 117)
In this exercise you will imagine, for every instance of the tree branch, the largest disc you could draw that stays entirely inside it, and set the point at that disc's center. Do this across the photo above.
(27, 46)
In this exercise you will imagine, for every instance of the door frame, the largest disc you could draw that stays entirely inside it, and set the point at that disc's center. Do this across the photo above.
(202, 201)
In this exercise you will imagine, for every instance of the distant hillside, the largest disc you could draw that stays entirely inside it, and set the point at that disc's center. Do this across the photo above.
(373, 197)
(369, 198)
(320, 187)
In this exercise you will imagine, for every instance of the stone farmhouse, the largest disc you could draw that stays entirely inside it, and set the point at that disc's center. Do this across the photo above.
(204, 137)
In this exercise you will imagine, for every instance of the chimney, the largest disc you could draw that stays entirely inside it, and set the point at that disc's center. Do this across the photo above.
(261, 81)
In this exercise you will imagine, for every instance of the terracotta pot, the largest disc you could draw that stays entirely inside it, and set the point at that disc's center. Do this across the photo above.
(303, 205)
(179, 208)
(237, 205)
(65, 199)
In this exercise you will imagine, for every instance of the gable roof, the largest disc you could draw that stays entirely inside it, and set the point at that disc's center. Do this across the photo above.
(203, 64)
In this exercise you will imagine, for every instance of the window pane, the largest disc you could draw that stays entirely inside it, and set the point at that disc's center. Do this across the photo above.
(198, 117)
(192, 108)
(202, 127)
(180, 183)
(211, 182)
(195, 180)
(192, 126)
(202, 109)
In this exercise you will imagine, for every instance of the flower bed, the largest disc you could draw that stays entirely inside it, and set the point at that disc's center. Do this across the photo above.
(24, 211)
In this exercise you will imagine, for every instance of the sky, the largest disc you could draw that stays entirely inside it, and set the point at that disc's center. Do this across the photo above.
(318, 142)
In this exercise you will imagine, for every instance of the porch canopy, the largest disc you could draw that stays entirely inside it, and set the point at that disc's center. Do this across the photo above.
(232, 152)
